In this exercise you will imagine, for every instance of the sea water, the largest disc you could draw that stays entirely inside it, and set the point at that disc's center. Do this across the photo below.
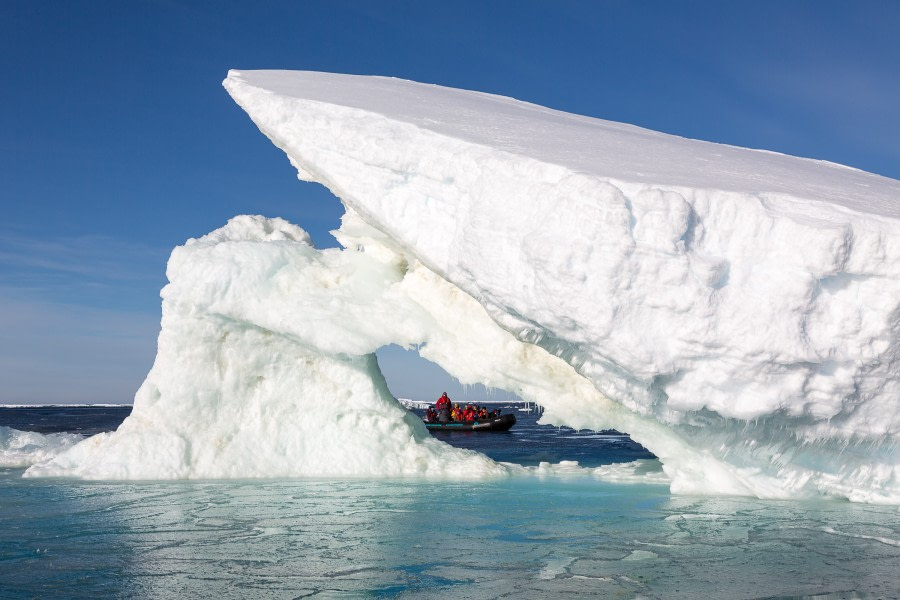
(521, 537)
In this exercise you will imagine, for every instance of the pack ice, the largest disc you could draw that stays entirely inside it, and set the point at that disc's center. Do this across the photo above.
(736, 311)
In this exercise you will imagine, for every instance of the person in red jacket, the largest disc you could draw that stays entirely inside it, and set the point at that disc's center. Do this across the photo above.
(442, 402)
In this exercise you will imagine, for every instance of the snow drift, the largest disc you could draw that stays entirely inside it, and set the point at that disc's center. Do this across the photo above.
(736, 311)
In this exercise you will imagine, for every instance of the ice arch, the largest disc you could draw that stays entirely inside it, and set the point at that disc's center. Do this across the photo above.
(266, 364)
(736, 311)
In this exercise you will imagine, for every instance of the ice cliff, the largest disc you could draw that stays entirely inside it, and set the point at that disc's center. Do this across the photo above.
(736, 311)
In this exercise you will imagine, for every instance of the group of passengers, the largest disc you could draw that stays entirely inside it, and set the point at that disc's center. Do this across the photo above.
(444, 411)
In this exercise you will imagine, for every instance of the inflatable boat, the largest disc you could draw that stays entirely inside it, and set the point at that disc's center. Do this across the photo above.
(501, 423)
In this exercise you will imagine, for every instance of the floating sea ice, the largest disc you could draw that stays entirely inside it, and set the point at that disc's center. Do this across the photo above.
(20, 449)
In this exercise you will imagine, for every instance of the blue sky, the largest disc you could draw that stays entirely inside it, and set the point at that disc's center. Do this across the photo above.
(118, 141)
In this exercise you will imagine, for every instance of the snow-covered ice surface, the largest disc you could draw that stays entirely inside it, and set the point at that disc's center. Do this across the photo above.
(736, 311)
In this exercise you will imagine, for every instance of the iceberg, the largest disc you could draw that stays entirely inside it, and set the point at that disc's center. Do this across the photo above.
(736, 311)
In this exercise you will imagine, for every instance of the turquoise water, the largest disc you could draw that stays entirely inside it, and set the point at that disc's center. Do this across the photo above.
(529, 537)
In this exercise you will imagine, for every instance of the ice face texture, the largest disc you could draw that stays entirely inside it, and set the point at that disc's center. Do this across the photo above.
(736, 311)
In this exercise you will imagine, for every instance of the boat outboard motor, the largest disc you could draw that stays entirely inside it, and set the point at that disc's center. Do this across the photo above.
(444, 415)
